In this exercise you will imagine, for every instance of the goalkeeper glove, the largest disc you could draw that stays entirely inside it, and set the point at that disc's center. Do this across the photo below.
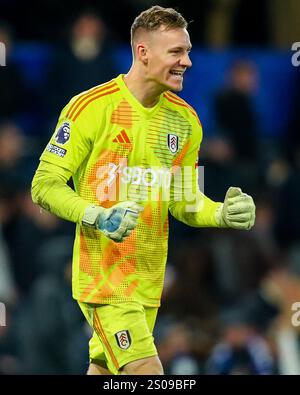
(116, 222)
(237, 211)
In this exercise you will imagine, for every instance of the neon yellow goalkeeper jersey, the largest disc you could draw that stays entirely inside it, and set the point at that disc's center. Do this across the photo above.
(119, 150)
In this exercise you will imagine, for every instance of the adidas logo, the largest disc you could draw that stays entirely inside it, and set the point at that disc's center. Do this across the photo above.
(121, 137)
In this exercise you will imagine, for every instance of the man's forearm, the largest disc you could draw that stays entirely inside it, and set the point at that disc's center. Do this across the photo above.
(50, 191)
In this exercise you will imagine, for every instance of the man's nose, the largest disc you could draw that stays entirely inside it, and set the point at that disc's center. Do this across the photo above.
(186, 61)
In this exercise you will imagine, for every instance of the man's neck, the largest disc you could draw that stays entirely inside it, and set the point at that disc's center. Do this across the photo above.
(145, 91)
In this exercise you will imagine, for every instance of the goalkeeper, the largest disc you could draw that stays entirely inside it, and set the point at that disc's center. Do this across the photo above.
(130, 146)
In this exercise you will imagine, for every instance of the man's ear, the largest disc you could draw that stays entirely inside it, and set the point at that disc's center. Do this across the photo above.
(142, 53)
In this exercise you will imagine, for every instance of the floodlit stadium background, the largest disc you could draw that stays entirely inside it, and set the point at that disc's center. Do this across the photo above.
(230, 299)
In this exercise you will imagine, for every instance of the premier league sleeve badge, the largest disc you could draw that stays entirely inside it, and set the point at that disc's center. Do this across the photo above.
(63, 133)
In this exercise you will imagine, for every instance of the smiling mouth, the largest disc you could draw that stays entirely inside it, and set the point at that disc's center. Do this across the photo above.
(177, 73)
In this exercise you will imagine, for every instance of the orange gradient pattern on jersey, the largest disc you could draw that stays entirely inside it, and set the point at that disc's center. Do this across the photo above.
(179, 158)
(105, 195)
(123, 115)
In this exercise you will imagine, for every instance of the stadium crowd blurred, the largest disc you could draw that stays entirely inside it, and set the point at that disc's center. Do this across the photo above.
(228, 296)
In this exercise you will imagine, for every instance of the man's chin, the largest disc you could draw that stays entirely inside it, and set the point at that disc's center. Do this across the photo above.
(178, 88)
(174, 87)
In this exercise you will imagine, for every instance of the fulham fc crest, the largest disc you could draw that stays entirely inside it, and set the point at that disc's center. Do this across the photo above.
(123, 339)
(173, 143)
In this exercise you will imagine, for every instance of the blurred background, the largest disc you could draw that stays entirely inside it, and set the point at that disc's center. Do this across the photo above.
(227, 302)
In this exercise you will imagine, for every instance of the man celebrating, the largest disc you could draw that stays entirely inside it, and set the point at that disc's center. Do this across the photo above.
(131, 150)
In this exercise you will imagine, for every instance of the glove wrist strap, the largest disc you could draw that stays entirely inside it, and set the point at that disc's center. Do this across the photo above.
(219, 217)
(90, 216)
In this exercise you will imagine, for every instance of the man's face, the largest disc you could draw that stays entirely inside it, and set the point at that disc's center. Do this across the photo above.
(168, 57)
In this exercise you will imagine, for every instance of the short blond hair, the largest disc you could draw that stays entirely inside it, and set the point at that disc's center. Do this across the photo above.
(155, 17)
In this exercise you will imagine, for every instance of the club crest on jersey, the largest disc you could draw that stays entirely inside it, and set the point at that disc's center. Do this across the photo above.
(173, 143)
(123, 339)
(63, 134)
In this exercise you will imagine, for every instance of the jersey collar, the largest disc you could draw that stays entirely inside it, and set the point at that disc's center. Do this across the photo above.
(147, 112)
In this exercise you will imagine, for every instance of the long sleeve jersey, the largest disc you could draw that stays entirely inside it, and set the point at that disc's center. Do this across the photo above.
(115, 150)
